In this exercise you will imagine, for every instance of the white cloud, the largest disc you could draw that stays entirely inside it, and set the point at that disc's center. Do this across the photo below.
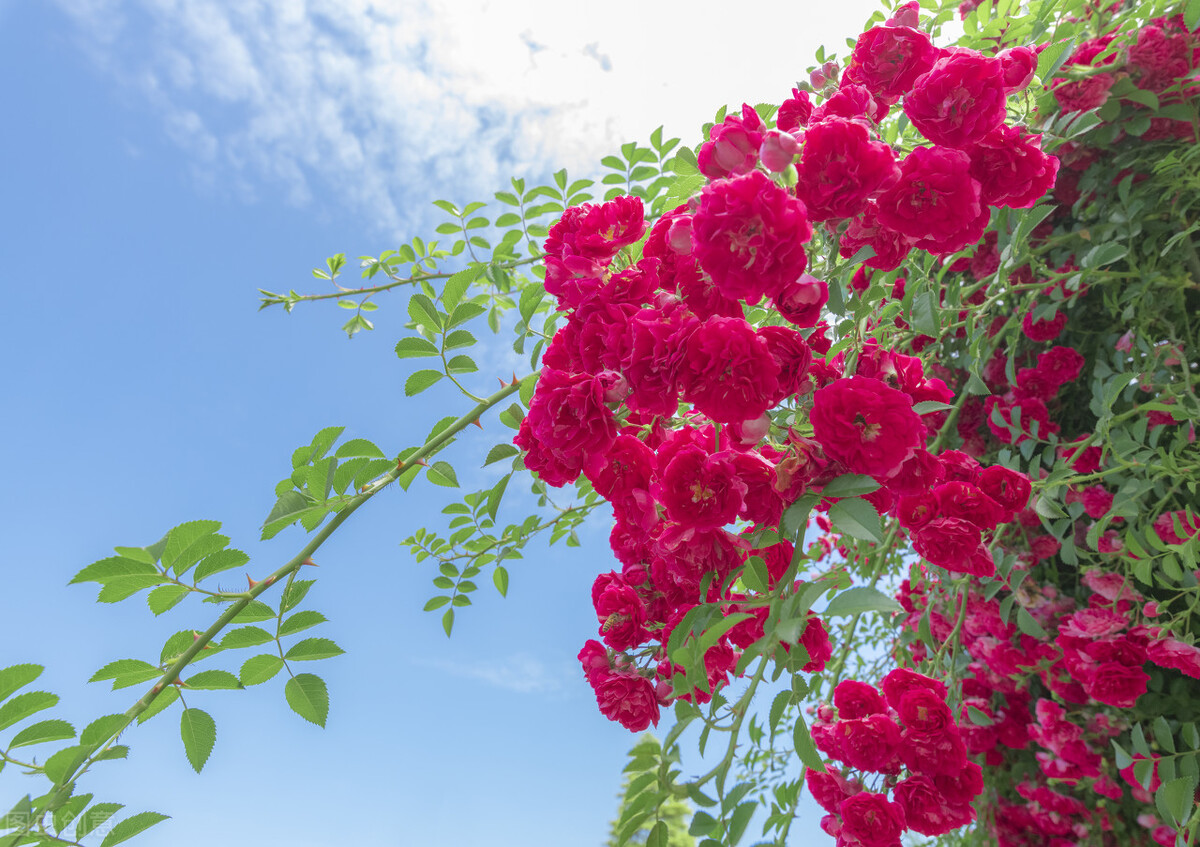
(521, 672)
(386, 105)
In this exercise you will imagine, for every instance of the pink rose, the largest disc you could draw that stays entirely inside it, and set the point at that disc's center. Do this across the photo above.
(959, 100)
(619, 611)
(888, 59)
(841, 167)
(748, 235)
(948, 542)
(936, 201)
(800, 302)
(733, 145)
(1011, 168)
(926, 809)
(728, 372)
(626, 697)
(870, 820)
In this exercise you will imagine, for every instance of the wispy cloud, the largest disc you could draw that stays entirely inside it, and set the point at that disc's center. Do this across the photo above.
(380, 105)
(520, 672)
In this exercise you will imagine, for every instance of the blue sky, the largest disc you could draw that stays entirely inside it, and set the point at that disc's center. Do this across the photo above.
(166, 159)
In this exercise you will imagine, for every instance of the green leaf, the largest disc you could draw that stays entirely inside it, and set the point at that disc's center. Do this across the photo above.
(979, 717)
(114, 567)
(860, 599)
(69, 810)
(500, 578)
(308, 697)
(222, 560)
(287, 510)
(924, 314)
(132, 826)
(199, 732)
(101, 730)
(1175, 798)
(461, 365)
(294, 594)
(165, 597)
(927, 406)
(659, 836)
(500, 451)
(849, 485)
(424, 313)
(41, 732)
(246, 636)
(258, 669)
(312, 649)
(420, 380)
(359, 447)
(1191, 15)
(301, 621)
(17, 676)
(448, 621)
(739, 820)
(60, 766)
(441, 473)
(24, 705)
(183, 540)
(805, 749)
(255, 611)
(457, 285)
(857, 518)
(436, 602)
(94, 817)
(213, 680)
(413, 347)
(531, 298)
(1028, 625)
(126, 672)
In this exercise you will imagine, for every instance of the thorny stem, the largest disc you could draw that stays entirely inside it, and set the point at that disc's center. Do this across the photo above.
(90, 754)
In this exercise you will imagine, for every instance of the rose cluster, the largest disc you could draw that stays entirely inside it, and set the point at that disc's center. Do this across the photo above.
(904, 731)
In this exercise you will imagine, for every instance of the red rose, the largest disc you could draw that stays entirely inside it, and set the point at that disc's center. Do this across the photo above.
(964, 500)
(870, 820)
(841, 168)
(959, 100)
(855, 699)
(866, 425)
(699, 490)
(926, 809)
(1011, 168)
(891, 247)
(815, 641)
(949, 542)
(868, 744)
(748, 234)
(1009, 488)
(829, 789)
(793, 356)
(728, 372)
(936, 201)
(888, 59)
(568, 421)
(1117, 684)
(619, 611)
(1084, 94)
(902, 680)
(794, 112)
(626, 697)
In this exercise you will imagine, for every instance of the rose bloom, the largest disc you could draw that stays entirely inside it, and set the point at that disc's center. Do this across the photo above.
(794, 112)
(868, 744)
(568, 421)
(948, 542)
(1011, 489)
(1172, 653)
(888, 59)
(748, 235)
(936, 201)
(1011, 168)
(1117, 684)
(815, 641)
(728, 372)
(855, 699)
(1084, 94)
(841, 167)
(800, 302)
(866, 425)
(926, 809)
(870, 820)
(829, 789)
(619, 611)
(890, 247)
(701, 491)
(625, 697)
(959, 100)
(733, 145)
